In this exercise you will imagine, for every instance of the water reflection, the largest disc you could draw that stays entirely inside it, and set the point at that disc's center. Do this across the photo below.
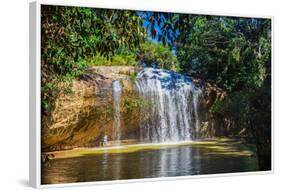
(179, 161)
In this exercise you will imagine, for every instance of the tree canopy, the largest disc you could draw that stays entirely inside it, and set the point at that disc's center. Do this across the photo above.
(157, 55)
(73, 34)
(231, 52)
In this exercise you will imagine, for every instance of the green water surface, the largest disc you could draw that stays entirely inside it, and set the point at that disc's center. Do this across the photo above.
(133, 162)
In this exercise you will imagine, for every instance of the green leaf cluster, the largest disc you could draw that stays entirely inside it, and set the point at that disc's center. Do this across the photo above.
(74, 38)
(230, 52)
(158, 55)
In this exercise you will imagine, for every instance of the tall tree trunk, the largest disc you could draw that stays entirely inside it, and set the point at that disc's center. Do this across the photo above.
(263, 144)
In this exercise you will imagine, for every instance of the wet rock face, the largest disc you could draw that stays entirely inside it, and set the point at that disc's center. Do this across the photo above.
(211, 124)
(84, 116)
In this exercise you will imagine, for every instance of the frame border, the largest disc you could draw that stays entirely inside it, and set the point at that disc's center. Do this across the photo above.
(34, 95)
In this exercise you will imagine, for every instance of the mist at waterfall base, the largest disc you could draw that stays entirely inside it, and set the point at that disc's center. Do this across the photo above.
(173, 112)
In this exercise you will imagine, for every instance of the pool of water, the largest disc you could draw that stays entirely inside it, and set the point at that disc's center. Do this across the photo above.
(167, 161)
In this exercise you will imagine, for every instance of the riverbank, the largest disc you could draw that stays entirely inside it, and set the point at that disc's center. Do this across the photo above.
(221, 146)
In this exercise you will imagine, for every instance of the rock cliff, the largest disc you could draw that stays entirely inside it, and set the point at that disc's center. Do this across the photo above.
(82, 117)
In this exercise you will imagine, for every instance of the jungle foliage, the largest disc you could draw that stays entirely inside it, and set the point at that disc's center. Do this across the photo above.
(72, 36)
(157, 55)
(231, 52)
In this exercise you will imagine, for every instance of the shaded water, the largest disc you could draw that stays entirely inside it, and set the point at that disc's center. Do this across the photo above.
(164, 162)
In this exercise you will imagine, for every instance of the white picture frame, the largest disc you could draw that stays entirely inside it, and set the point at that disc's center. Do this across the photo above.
(35, 92)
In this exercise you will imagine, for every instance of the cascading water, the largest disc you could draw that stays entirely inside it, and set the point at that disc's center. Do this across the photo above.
(174, 100)
(117, 91)
(196, 95)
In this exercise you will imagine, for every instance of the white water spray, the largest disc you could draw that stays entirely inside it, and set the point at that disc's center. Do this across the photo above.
(175, 105)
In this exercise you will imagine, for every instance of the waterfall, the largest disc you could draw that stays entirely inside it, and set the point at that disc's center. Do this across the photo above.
(117, 91)
(174, 100)
(195, 105)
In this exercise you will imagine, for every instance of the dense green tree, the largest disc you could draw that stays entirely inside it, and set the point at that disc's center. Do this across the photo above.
(231, 52)
(158, 55)
(71, 36)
